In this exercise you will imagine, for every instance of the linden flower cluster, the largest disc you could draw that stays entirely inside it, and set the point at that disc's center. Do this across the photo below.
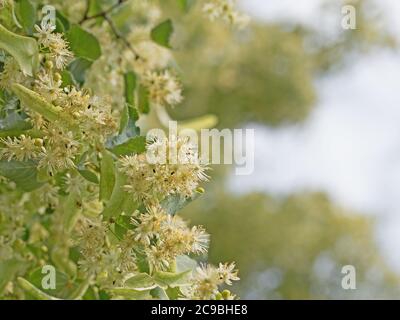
(164, 237)
(58, 154)
(161, 238)
(11, 73)
(22, 148)
(142, 55)
(58, 47)
(5, 3)
(88, 118)
(99, 212)
(12, 219)
(206, 280)
(164, 89)
(166, 174)
(226, 11)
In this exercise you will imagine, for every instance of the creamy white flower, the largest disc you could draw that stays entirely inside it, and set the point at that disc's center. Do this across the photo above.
(227, 273)
(164, 89)
(58, 47)
(226, 11)
(21, 148)
(44, 32)
(171, 176)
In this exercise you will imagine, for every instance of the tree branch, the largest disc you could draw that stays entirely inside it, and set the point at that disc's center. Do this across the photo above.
(105, 15)
(100, 14)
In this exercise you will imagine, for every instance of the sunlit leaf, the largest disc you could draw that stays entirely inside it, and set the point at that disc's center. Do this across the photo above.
(24, 174)
(23, 49)
(107, 175)
(83, 44)
(165, 279)
(161, 34)
(141, 281)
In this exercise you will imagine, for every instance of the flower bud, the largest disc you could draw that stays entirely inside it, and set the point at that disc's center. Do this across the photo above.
(226, 294)
(49, 64)
(57, 77)
(38, 142)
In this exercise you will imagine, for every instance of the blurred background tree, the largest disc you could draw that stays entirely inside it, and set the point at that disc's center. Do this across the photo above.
(291, 248)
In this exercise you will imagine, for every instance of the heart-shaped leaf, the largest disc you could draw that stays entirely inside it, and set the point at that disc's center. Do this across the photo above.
(24, 50)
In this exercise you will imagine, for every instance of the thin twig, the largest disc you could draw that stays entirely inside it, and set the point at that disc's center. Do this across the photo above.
(85, 15)
(105, 15)
(100, 14)
(121, 37)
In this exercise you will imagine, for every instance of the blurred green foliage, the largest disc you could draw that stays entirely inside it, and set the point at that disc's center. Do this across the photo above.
(266, 72)
(295, 247)
(262, 75)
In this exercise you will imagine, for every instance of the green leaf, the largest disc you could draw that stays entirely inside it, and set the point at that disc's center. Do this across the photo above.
(182, 4)
(130, 294)
(125, 221)
(175, 202)
(161, 34)
(124, 119)
(14, 121)
(129, 206)
(34, 133)
(8, 269)
(141, 281)
(130, 86)
(203, 122)
(142, 262)
(83, 44)
(89, 175)
(159, 293)
(185, 5)
(26, 11)
(174, 293)
(72, 207)
(59, 26)
(122, 17)
(95, 7)
(67, 78)
(184, 263)
(60, 257)
(24, 174)
(123, 224)
(135, 145)
(37, 103)
(119, 231)
(170, 279)
(63, 284)
(23, 49)
(62, 23)
(128, 141)
(128, 127)
(107, 175)
(33, 291)
(80, 290)
(78, 68)
(115, 205)
(143, 97)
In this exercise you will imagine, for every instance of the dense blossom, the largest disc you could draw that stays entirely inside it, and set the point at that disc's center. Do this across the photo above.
(81, 199)
(157, 179)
